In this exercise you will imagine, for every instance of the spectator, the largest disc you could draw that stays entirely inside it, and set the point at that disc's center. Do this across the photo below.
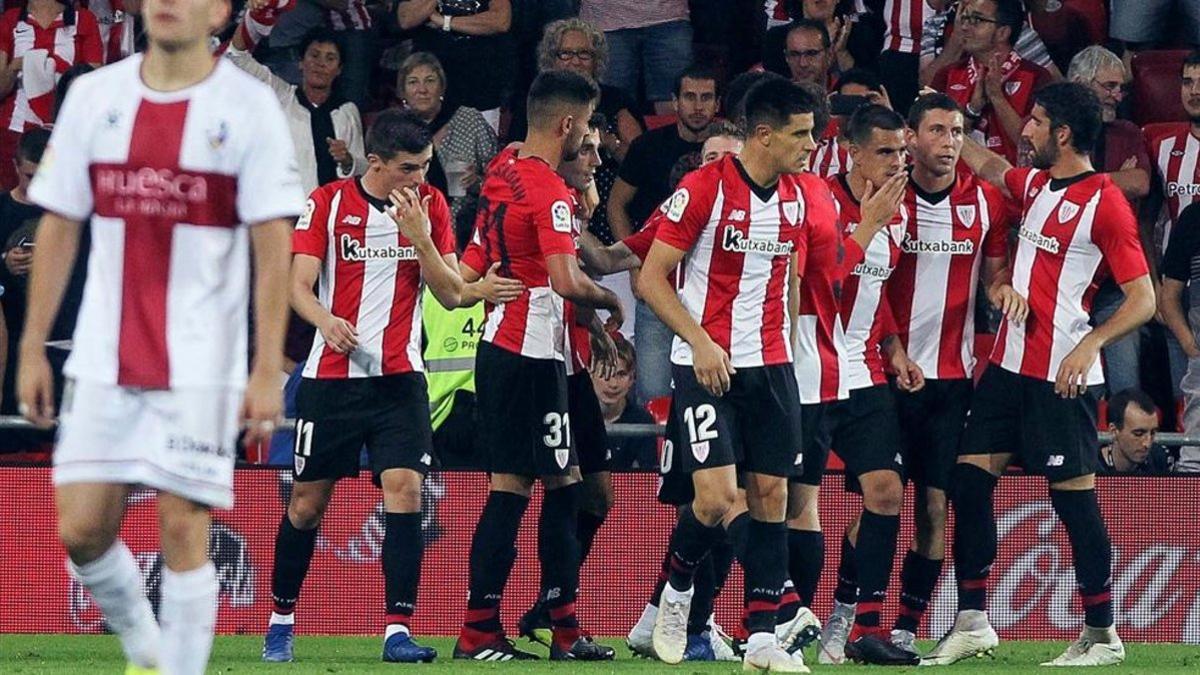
(992, 82)
(1062, 28)
(1144, 23)
(576, 45)
(648, 40)
(1133, 422)
(900, 62)
(38, 41)
(856, 87)
(807, 51)
(1180, 269)
(471, 40)
(326, 129)
(942, 41)
(627, 452)
(463, 141)
(854, 38)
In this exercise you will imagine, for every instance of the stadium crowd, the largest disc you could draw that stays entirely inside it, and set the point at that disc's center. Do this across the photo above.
(677, 89)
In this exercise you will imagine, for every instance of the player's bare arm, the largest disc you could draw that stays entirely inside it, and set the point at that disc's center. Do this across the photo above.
(1137, 308)
(491, 287)
(263, 403)
(571, 283)
(410, 212)
(339, 334)
(997, 283)
(53, 259)
(909, 376)
(986, 164)
(602, 259)
(711, 363)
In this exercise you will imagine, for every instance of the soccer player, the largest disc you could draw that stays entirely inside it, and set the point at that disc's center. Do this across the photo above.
(739, 222)
(957, 229)
(371, 242)
(1037, 400)
(525, 223)
(864, 428)
(168, 154)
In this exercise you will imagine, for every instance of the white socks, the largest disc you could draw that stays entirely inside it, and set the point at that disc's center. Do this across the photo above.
(116, 587)
(758, 641)
(285, 619)
(189, 615)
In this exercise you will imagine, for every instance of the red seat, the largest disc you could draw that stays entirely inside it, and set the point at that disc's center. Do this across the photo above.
(1156, 86)
(660, 409)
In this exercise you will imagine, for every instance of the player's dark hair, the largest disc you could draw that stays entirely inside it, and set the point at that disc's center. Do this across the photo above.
(813, 25)
(1010, 13)
(33, 145)
(1075, 106)
(734, 103)
(1190, 61)
(1118, 404)
(772, 102)
(321, 35)
(923, 104)
(696, 71)
(869, 118)
(597, 122)
(860, 76)
(553, 90)
(396, 131)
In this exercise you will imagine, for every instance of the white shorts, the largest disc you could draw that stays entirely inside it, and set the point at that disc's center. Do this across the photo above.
(176, 441)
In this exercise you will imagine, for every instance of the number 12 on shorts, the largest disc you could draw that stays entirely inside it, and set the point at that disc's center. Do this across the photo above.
(700, 420)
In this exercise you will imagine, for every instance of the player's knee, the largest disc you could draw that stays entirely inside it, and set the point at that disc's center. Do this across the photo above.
(401, 490)
(884, 495)
(85, 538)
(710, 506)
(306, 511)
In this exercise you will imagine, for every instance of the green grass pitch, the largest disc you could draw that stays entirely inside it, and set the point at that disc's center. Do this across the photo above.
(320, 654)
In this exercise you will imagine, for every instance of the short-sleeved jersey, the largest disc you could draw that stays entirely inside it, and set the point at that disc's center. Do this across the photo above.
(370, 276)
(932, 291)
(578, 337)
(525, 216)
(1177, 160)
(72, 38)
(1021, 79)
(168, 180)
(904, 19)
(821, 357)
(1073, 233)
(865, 313)
(739, 241)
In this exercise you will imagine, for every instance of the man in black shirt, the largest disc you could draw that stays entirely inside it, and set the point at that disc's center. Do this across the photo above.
(627, 452)
(1133, 421)
(1181, 267)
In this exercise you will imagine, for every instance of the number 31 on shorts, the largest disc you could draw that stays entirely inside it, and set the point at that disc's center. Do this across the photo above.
(558, 430)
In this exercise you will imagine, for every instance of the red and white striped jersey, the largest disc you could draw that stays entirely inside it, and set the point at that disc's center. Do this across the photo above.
(168, 178)
(525, 216)
(739, 242)
(821, 360)
(370, 276)
(777, 13)
(578, 337)
(354, 17)
(865, 313)
(1176, 157)
(904, 19)
(830, 157)
(932, 290)
(1073, 234)
(72, 38)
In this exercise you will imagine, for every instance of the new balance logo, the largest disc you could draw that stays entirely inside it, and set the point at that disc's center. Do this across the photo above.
(737, 215)
(351, 220)
(1055, 460)
(736, 242)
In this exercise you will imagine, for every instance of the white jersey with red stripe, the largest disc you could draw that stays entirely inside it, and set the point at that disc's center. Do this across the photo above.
(905, 20)
(821, 358)
(739, 241)
(1073, 234)
(830, 157)
(168, 179)
(370, 276)
(865, 311)
(932, 290)
(1177, 157)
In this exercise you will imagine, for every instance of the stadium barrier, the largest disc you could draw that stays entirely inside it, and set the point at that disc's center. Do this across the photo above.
(1156, 574)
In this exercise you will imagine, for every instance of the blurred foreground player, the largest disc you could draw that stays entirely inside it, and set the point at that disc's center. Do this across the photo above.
(525, 224)
(170, 154)
(1037, 401)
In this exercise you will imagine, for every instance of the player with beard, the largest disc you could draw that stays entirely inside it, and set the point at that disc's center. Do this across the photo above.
(183, 166)
(525, 223)
(1037, 401)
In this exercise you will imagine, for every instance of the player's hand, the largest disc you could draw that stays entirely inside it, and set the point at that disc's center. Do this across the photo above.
(35, 386)
(1072, 372)
(497, 289)
(604, 355)
(616, 315)
(714, 371)
(339, 334)
(909, 376)
(880, 204)
(1010, 303)
(262, 408)
(410, 211)
(340, 152)
(18, 260)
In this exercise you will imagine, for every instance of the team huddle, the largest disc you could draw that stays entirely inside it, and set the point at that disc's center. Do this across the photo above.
(809, 314)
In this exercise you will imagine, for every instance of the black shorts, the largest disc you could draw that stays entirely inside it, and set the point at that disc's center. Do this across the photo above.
(755, 425)
(336, 419)
(866, 433)
(526, 422)
(814, 420)
(457, 443)
(587, 425)
(674, 485)
(931, 426)
(1051, 436)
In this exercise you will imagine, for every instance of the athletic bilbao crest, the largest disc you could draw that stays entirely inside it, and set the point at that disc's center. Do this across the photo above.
(561, 455)
(700, 451)
(1067, 211)
(793, 212)
(1011, 87)
(300, 461)
(966, 214)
